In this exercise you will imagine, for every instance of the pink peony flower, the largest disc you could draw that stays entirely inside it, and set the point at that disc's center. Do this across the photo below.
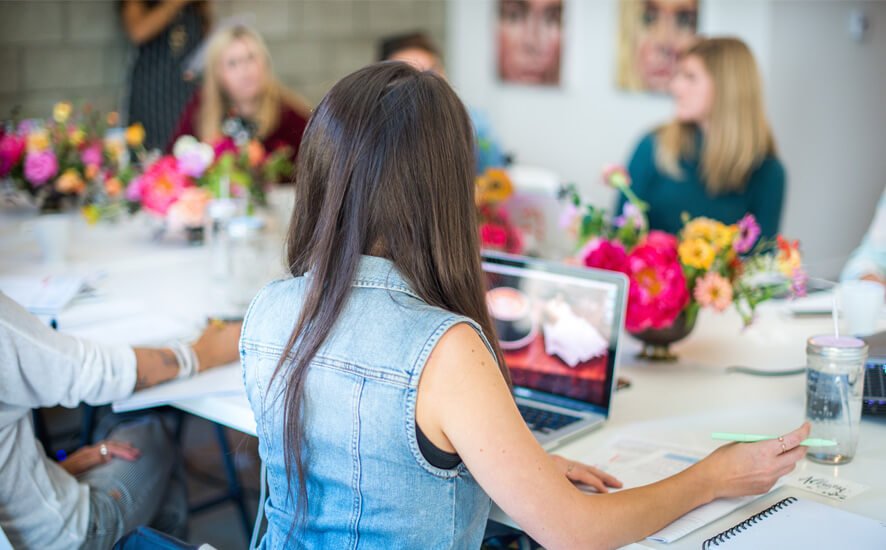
(160, 186)
(713, 291)
(12, 147)
(92, 155)
(607, 255)
(657, 292)
(665, 243)
(748, 233)
(40, 166)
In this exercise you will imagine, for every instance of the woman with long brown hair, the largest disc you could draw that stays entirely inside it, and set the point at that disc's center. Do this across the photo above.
(383, 408)
(240, 97)
(717, 158)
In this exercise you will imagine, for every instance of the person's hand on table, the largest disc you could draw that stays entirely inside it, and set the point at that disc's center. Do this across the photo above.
(577, 472)
(87, 458)
(218, 345)
(740, 469)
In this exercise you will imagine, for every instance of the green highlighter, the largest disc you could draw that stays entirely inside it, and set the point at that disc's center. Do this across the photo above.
(751, 438)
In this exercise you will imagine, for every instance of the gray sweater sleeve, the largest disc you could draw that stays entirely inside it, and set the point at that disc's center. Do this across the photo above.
(40, 367)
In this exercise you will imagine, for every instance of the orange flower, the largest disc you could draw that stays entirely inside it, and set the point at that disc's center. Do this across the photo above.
(113, 118)
(135, 135)
(70, 182)
(113, 187)
(91, 171)
(255, 152)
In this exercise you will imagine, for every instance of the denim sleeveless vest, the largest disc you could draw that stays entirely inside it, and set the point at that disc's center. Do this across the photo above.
(368, 484)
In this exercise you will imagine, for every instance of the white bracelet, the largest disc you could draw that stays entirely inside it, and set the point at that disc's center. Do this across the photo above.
(187, 360)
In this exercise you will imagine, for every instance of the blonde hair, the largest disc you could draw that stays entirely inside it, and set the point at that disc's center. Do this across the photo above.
(214, 104)
(738, 137)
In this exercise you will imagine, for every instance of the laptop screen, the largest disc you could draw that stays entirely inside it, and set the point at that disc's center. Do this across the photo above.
(558, 326)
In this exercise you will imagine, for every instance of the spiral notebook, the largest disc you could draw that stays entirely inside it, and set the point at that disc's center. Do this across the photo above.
(798, 523)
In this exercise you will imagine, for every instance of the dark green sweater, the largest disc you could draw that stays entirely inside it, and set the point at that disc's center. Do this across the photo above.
(668, 198)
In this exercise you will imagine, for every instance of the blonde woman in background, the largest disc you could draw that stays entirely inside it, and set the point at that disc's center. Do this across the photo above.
(717, 158)
(241, 99)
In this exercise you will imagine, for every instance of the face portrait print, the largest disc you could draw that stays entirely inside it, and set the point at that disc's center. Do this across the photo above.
(652, 35)
(529, 41)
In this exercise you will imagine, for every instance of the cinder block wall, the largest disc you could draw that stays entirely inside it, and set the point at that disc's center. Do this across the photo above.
(76, 49)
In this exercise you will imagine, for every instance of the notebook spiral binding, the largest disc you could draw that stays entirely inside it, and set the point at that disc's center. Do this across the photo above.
(747, 524)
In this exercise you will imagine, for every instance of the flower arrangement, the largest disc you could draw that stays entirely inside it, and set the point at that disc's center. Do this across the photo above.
(179, 186)
(69, 160)
(497, 232)
(709, 265)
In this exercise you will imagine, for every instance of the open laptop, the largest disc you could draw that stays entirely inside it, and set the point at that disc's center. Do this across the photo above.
(874, 393)
(560, 329)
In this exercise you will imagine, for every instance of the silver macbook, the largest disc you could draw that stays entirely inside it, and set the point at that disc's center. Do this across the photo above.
(559, 328)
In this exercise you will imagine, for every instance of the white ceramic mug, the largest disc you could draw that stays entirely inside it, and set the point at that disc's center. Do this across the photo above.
(861, 303)
(52, 232)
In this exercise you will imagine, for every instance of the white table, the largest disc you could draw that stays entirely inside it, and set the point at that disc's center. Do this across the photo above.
(679, 402)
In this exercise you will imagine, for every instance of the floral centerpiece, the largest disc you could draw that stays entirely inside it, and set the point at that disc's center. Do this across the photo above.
(708, 265)
(497, 232)
(179, 187)
(70, 160)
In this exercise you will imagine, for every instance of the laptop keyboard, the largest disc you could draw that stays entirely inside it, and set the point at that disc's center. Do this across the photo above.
(543, 420)
(875, 389)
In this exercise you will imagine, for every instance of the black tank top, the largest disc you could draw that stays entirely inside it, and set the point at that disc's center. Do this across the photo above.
(435, 455)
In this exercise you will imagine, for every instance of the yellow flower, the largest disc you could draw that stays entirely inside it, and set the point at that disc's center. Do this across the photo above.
(135, 135)
(724, 235)
(697, 253)
(77, 137)
(38, 140)
(91, 213)
(70, 182)
(493, 186)
(61, 112)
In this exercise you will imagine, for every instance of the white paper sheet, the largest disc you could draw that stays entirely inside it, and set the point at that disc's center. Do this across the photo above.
(639, 462)
(225, 380)
(42, 295)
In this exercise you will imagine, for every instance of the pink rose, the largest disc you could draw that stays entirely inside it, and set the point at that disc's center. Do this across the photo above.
(40, 166)
(493, 236)
(12, 147)
(92, 155)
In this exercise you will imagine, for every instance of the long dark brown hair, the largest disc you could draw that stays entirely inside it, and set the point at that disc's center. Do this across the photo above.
(386, 168)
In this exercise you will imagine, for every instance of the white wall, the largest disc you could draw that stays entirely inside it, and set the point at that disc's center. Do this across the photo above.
(587, 122)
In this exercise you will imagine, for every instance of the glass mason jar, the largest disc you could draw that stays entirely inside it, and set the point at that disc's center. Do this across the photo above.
(834, 383)
(248, 259)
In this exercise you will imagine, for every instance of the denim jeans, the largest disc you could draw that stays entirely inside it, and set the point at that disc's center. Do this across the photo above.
(148, 491)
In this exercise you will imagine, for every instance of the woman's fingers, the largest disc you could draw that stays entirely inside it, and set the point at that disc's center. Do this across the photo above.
(588, 475)
(790, 440)
(119, 449)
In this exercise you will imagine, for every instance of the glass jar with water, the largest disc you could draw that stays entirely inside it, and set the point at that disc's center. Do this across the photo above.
(834, 383)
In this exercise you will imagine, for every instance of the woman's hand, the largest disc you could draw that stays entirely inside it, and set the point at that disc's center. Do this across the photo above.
(740, 469)
(586, 475)
(218, 345)
(87, 458)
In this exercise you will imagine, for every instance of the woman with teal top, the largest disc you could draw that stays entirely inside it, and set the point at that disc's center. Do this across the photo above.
(717, 157)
